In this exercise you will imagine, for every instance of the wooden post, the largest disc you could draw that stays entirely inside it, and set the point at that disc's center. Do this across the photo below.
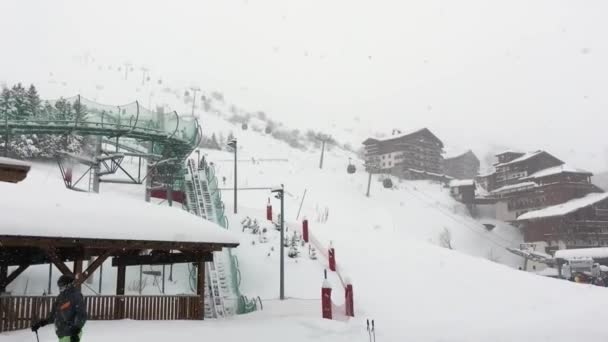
(121, 275)
(3, 276)
(78, 271)
(200, 289)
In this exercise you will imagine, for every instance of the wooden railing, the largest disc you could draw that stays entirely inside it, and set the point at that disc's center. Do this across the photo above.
(19, 312)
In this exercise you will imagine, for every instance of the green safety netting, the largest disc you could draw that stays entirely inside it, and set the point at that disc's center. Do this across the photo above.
(169, 134)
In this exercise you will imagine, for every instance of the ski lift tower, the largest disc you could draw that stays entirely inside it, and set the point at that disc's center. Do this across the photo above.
(371, 168)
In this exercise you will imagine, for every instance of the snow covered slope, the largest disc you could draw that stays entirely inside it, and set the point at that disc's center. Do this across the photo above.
(388, 244)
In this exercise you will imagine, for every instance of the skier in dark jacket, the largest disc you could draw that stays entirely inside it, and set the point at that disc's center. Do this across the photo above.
(68, 313)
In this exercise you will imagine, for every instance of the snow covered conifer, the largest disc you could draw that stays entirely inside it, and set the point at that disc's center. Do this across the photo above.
(20, 107)
(33, 103)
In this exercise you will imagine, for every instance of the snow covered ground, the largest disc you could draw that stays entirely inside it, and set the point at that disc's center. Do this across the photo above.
(388, 244)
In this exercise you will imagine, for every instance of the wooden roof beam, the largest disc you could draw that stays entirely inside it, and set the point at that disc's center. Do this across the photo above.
(5, 281)
(94, 266)
(51, 253)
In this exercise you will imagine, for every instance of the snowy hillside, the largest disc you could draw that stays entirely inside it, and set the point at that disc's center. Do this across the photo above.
(388, 244)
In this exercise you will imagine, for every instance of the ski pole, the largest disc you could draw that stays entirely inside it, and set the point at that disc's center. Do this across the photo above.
(369, 333)
(37, 338)
(374, 330)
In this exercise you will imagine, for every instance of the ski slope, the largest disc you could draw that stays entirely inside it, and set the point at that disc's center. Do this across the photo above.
(388, 244)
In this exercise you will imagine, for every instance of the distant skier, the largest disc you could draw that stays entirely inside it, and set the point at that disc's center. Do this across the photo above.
(224, 180)
(69, 312)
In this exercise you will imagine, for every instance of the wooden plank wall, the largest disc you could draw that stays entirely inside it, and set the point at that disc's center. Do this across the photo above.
(19, 312)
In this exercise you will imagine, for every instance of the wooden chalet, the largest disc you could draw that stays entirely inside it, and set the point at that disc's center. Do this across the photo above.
(512, 166)
(541, 189)
(74, 227)
(578, 223)
(416, 155)
(463, 166)
(463, 190)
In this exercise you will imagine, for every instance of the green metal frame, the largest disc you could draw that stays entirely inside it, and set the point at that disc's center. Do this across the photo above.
(170, 135)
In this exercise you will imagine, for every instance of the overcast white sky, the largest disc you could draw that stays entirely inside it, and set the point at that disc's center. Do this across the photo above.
(525, 74)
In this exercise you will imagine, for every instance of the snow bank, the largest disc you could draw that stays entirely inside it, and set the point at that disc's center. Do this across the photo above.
(564, 208)
(29, 210)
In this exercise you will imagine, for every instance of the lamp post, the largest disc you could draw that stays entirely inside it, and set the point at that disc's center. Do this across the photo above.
(233, 145)
(280, 195)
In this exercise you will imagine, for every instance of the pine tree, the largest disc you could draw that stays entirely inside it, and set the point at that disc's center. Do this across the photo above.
(47, 111)
(6, 103)
(64, 110)
(33, 103)
(19, 96)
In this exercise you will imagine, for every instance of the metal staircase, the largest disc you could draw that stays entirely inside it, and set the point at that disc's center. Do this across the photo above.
(196, 204)
(200, 203)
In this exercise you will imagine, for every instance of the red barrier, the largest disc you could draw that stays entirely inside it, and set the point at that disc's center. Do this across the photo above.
(269, 211)
(349, 302)
(305, 230)
(178, 196)
(326, 300)
(332, 258)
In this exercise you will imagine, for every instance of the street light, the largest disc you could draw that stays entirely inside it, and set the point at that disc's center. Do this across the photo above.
(232, 144)
(279, 191)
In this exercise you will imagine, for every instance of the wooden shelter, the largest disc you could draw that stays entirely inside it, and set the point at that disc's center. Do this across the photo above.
(39, 226)
(25, 251)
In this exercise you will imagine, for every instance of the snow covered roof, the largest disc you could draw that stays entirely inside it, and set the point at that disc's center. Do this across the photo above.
(525, 157)
(594, 253)
(486, 174)
(564, 208)
(564, 168)
(517, 186)
(508, 152)
(461, 182)
(14, 162)
(458, 155)
(402, 135)
(27, 210)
